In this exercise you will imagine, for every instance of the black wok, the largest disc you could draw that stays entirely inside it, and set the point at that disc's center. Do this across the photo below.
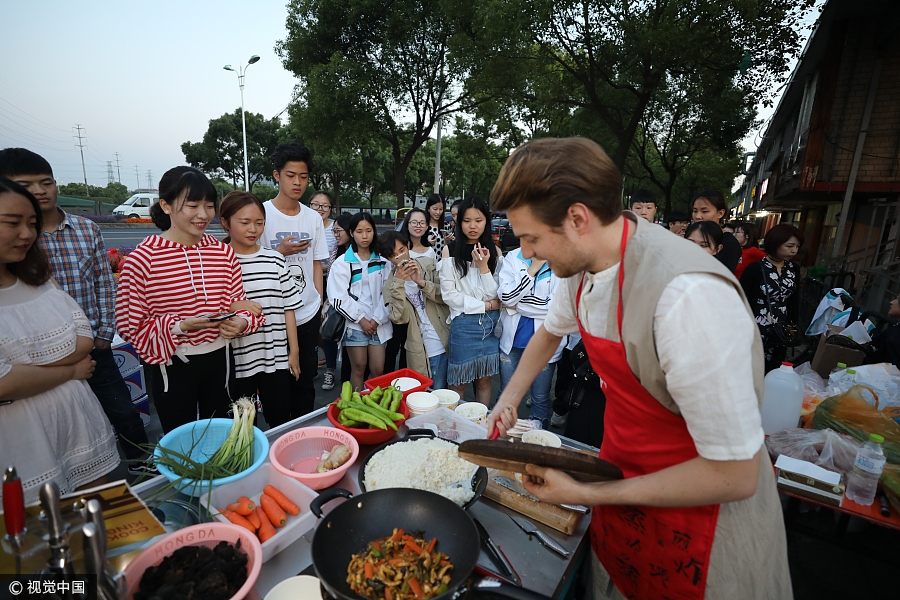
(350, 527)
(479, 480)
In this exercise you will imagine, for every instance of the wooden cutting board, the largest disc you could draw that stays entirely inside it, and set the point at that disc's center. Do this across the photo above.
(506, 456)
(554, 516)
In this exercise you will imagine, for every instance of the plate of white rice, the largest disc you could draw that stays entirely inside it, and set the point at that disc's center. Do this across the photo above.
(429, 464)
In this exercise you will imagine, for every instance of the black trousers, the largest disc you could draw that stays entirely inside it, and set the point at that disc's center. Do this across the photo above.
(110, 389)
(274, 391)
(395, 347)
(197, 384)
(303, 391)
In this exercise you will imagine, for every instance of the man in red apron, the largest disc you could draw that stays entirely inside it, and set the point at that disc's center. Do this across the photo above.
(670, 334)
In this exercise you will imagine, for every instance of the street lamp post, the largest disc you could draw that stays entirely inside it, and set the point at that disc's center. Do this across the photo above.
(240, 72)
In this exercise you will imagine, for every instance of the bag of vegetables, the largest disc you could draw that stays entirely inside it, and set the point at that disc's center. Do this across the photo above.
(852, 413)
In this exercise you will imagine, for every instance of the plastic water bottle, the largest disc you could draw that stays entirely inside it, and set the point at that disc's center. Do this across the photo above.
(840, 367)
(867, 468)
(782, 399)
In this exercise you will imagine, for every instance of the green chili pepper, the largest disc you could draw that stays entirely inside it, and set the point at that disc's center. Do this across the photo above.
(364, 417)
(442, 589)
(374, 552)
(376, 394)
(346, 390)
(387, 414)
(356, 397)
(395, 403)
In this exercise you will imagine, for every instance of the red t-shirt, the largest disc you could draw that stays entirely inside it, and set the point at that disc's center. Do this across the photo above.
(748, 256)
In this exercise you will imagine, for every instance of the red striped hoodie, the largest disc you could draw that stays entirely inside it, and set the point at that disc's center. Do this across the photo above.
(163, 282)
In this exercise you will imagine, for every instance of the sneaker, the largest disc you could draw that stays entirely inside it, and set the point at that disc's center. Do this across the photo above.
(328, 384)
(558, 420)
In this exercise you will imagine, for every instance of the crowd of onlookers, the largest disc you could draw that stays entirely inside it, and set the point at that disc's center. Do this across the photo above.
(214, 319)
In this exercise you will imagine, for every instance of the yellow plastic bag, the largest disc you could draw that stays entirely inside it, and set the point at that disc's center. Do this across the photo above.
(850, 413)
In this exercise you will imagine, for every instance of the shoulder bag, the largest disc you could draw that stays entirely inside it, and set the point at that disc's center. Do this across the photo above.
(783, 333)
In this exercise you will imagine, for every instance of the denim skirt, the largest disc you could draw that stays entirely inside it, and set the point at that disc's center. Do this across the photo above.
(474, 347)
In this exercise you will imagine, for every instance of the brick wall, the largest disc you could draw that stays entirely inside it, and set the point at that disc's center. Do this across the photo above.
(881, 159)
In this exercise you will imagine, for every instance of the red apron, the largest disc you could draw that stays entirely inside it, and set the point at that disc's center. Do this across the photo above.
(648, 552)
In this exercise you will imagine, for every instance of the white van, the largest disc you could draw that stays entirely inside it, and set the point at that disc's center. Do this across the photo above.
(138, 206)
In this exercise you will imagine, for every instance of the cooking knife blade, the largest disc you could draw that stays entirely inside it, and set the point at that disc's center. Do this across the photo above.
(515, 486)
(529, 528)
(497, 557)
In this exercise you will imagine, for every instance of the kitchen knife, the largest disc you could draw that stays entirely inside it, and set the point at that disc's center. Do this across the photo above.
(497, 557)
(515, 486)
(529, 528)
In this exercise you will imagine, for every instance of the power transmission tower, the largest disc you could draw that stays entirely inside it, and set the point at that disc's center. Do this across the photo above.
(118, 171)
(80, 146)
(149, 179)
(109, 172)
(137, 176)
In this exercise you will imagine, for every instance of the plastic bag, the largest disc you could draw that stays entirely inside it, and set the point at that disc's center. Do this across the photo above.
(813, 392)
(882, 378)
(853, 414)
(890, 482)
(824, 448)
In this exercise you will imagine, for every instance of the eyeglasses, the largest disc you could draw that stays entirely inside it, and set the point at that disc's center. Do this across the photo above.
(317, 206)
(417, 223)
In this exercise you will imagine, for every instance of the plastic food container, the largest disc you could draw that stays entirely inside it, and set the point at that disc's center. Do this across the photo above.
(542, 437)
(474, 411)
(422, 402)
(386, 379)
(365, 435)
(206, 436)
(297, 454)
(204, 534)
(252, 487)
(448, 398)
(296, 588)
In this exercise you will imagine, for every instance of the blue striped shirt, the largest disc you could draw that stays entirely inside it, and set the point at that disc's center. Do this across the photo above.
(81, 268)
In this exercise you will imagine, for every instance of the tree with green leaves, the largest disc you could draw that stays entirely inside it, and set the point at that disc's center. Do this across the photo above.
(381, 68)
(221, 152)
(615, 58)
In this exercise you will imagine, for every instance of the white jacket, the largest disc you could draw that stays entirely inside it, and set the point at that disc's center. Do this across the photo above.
(345, 281)
(524, 295)
(467, 295)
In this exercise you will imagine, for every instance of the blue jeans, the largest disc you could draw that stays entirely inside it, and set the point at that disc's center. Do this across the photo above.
(356, 338)
(439, 370)
(541, 405)
(110, 389)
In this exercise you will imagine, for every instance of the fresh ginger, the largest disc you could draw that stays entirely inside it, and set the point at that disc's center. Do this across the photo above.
(334, 459)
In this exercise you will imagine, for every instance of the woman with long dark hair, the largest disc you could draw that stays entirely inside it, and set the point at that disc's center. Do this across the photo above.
(52, 427)
(415, 226)
(435, 208)
(469, 272)
(355, 289)
(711, 206)
(772, 287)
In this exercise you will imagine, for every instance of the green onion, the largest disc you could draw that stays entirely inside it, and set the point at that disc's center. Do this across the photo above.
(236, 453)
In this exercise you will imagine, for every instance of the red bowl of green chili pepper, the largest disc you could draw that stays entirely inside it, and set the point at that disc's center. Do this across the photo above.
(369, 425)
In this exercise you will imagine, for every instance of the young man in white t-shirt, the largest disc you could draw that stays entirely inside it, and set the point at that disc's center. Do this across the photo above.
(297, 232)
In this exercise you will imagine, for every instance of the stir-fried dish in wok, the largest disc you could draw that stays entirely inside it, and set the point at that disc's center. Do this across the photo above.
(399, 567)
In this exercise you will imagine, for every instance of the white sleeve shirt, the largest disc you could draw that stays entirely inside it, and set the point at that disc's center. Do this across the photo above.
(703, 338)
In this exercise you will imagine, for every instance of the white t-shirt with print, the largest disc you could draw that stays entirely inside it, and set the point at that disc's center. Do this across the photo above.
(433, 344)
(307, 224)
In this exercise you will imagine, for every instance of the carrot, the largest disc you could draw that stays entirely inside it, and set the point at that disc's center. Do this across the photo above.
(245, 506)
(431, 545)
(369, 569)
(387, 593)
(238, 520)
(416, 588)
(413, 547)
(266, 530)
(282, 500)
(254, 518)
(273, 511)
(397, 535)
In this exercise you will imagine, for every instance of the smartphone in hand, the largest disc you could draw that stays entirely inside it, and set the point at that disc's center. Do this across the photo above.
(217, 318)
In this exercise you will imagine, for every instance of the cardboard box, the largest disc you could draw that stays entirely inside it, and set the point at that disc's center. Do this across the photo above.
(136, 382)
(126, 356)
(828, 356)
(143, 406)
(811, 481)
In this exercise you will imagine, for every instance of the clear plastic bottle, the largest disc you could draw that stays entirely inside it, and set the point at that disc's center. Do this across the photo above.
(840, 367)
(867, 468)
(782, 399)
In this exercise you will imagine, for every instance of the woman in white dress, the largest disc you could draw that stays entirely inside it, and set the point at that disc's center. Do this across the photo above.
(52, 427)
